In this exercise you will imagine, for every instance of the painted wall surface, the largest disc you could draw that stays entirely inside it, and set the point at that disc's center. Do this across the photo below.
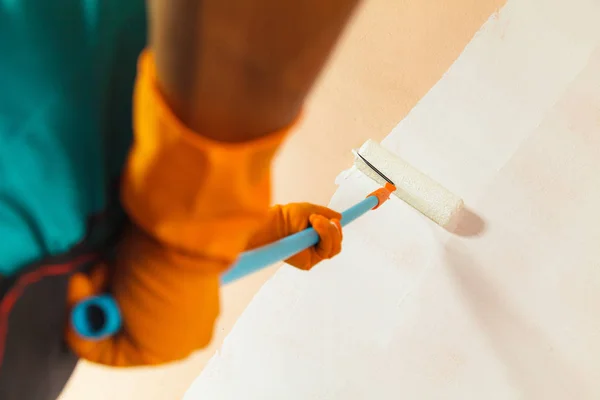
(411, 311)
(392, 54)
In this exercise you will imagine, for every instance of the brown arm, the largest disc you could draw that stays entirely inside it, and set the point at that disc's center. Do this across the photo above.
(238, 69)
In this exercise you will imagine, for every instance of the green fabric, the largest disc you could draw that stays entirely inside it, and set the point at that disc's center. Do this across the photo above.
(67, 69)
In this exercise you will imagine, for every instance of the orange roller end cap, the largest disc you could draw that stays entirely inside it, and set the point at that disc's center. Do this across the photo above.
(383, 194)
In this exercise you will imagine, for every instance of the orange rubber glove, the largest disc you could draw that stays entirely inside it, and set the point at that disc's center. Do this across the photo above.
(285, 220)
(194, 203)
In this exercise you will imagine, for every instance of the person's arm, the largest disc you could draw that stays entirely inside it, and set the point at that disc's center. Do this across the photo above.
(219, 87)
(236, 70)
(193, 203)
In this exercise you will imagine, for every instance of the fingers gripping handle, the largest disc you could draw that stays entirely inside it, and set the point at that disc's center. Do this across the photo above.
(98, 317)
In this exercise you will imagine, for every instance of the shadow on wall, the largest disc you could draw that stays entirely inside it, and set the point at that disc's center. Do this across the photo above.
(531, 362)
(467, 224)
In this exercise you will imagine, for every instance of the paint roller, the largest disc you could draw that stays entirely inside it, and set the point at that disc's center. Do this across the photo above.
(394, 174)
(412, 186)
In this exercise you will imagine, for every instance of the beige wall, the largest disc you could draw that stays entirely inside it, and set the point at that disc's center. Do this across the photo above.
(392, 54)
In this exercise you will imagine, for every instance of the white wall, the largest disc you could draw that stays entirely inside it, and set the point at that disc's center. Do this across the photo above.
(411, 311)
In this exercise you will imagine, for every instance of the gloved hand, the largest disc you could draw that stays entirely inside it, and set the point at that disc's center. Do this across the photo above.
(285, 220)
(193, 203)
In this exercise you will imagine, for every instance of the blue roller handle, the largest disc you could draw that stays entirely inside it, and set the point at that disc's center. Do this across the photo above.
(249, 262)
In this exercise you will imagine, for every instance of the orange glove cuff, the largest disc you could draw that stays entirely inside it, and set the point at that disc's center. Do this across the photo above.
(182, 188)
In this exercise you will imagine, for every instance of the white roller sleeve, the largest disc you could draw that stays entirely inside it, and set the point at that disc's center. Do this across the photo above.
(414, 187)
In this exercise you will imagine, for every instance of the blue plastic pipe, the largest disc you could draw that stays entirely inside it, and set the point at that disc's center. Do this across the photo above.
(84, 317)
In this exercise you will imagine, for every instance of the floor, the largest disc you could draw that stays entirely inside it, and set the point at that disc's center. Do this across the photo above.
(391, 55)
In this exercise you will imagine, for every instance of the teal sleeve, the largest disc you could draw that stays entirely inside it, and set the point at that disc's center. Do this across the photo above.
(67, 69)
